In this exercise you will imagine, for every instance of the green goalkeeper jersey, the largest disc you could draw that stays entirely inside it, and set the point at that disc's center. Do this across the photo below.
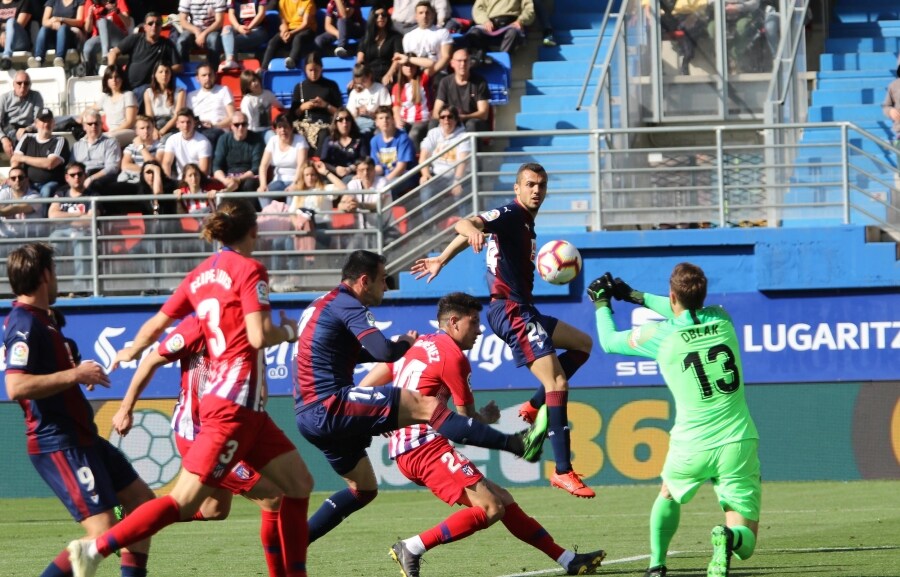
(699, 358)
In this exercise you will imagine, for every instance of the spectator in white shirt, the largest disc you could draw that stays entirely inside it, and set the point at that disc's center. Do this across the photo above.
(212, 104)
(448, 145)
(186, 147)
(365, 98)
(431, 45)
(404, 14)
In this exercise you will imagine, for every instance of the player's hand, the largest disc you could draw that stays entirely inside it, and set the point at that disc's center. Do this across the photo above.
(126, 355)
(291, 323)
(476, 240)
(623, 292)
(410, 337)
(490, 413)
(426, 267)
(91, 373)
(122, 421)
(600, 291)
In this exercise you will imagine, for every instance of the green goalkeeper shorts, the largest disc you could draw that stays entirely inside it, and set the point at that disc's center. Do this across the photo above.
(733, 468)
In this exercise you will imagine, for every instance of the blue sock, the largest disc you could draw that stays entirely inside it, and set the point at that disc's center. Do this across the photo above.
(337, 508)
(461, 429)
(571, 361)
(539, 397)
(558, 419)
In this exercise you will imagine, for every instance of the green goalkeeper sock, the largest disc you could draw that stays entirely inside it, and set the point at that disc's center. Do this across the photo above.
(744, 541)
(664, 519)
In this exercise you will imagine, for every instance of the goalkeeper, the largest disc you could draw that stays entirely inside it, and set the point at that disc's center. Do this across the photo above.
(714, 437)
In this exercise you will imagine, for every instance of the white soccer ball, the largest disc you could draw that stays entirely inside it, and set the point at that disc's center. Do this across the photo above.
(151, 448)
(558, 262)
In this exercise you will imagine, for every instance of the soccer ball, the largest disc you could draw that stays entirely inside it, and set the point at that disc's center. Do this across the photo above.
(151, 448)
(558, 262)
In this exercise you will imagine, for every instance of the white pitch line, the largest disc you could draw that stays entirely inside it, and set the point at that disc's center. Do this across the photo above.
(606, 562)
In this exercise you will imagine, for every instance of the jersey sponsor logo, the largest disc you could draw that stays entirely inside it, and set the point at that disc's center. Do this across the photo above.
(18, 355)
(491, 215)
(370, 318)
(262, 292)
(176, 343)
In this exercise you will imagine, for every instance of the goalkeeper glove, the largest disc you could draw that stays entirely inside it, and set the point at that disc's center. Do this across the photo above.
(600, 291)
(623, 292)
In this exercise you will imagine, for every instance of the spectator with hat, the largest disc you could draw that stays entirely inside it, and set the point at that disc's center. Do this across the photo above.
(43, 155)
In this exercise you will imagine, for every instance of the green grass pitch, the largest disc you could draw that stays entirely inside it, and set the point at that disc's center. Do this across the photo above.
(821, 529)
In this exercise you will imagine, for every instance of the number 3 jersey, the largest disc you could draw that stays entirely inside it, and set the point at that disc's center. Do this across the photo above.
(699, 357)
(435, 366)
(223, 290)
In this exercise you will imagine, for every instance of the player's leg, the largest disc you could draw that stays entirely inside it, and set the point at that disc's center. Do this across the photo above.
(738, 486)
(414, 408)
(665, 517)
(530, 531)
(267, 496)
(362, 488)
(454, 480)
(276, 458)
(576, 346)
(135, 556)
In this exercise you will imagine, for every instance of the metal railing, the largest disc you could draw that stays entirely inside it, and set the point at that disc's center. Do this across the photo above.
(726, 177)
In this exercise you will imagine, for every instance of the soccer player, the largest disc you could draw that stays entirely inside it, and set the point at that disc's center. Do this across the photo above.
(714, 437)
(532, 336)
(337, 332)
(436, 366)
(88, 474)
(229, 291)
(185, 344)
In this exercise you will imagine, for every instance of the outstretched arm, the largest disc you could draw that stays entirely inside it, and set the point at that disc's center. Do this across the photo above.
(122, 420)
(147, 335)
(378, 376)
(469, 233)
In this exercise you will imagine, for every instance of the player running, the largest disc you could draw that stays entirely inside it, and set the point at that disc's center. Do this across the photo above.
(88, 474)
(186, 345)
(229, 291)
(532, 336)
(337, 332)
(714, 437)
(436, 366)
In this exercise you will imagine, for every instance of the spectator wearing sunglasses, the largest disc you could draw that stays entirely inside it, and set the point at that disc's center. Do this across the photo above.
(238, 156)
(16, 218)
(17, 110)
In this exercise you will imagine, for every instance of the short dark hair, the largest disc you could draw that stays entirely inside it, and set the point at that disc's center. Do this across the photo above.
(26, 264)
(688, 284)
(361, 262)
(150, 15)
(186, 112)
(76, 164)
(458, 303)
(531, 167)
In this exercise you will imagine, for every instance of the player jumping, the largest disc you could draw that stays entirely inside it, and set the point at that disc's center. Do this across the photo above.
(532, 336)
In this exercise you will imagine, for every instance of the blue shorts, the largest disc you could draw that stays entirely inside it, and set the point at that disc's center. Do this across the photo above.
(527, 332)
(86, 479)
(342, 425)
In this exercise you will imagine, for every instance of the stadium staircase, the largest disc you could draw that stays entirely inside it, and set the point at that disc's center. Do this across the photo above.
(549, 103)
(859, 61)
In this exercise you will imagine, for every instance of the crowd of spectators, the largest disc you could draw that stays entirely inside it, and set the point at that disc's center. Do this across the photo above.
(412, 98)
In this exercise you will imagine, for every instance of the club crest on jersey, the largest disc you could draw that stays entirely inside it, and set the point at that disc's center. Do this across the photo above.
(18, 355)
(241, 472)
(468, 470)
(491, 215)
(176, 343)
(370, 318)
(262, 292)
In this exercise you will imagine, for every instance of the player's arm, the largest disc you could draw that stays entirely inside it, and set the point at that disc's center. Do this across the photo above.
(378, 376)
(122, 420)
(21, 386)
(262, 332)
(147, 335)
(432, 266)
(378, 348)
(489, 414)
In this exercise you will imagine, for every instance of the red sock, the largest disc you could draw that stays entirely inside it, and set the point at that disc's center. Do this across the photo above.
(457, 526)
(145, 521)
(198, 516)
(271, 543)
(526, 529)
(60, 567)
(294, 532)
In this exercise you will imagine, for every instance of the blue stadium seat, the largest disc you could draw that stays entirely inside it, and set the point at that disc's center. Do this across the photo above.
(497, 75)
(282, 83)
(340, 70)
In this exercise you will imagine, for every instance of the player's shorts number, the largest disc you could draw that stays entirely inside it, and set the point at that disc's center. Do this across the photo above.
(536, 332)
(451, 459)
(227, 455)
(713, 355)
(86, 478)
(209, 312)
